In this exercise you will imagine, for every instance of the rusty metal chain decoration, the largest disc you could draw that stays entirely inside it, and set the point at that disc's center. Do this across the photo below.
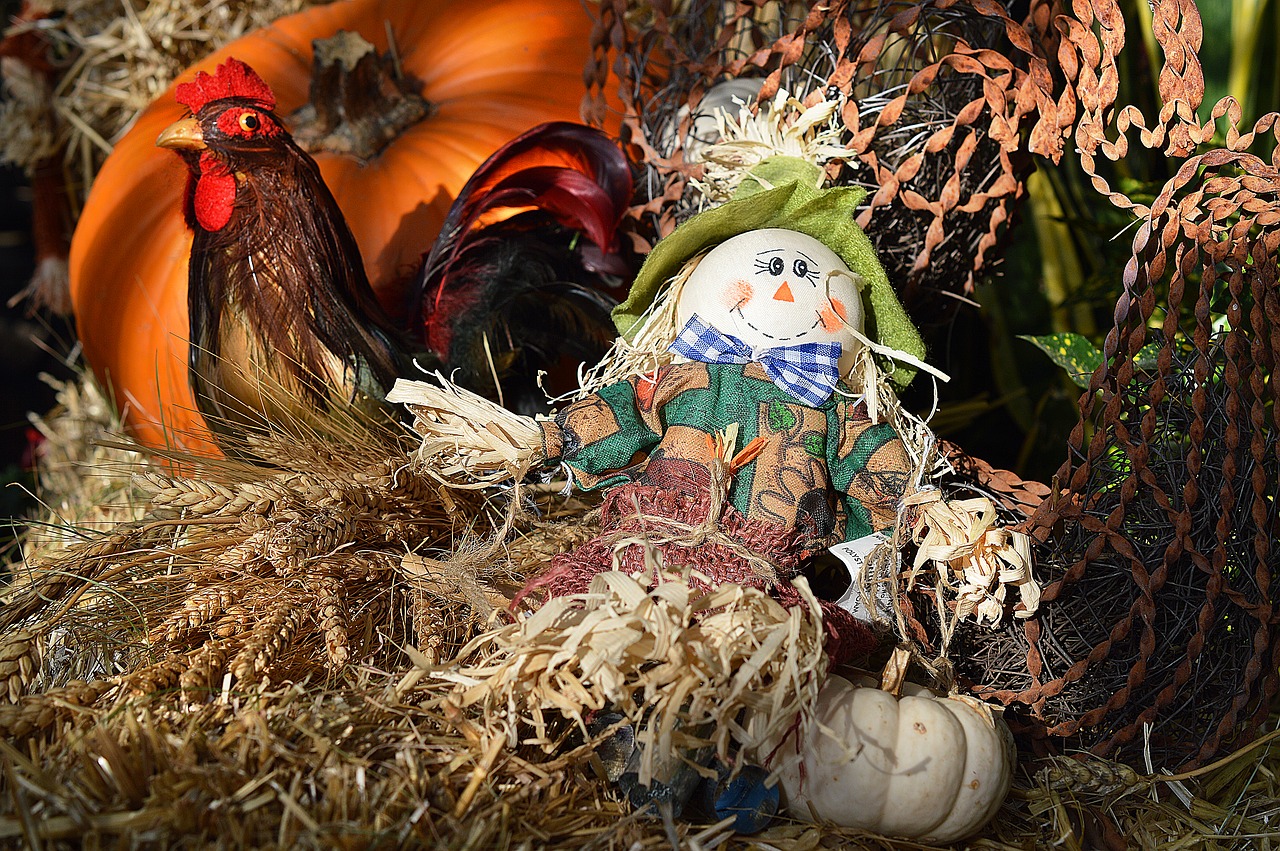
(940, 97)
(1158, 637)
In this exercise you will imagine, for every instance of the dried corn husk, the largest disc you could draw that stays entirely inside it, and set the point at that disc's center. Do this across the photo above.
(785, 126)
(669, 657)
(978, 559)
(465, 436)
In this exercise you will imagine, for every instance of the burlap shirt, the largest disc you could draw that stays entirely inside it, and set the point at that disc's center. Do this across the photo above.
(826, 470)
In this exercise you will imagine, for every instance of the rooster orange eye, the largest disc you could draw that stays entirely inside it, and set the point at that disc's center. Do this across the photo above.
(249, 122)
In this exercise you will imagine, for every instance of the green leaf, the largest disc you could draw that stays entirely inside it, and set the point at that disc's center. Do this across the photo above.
(780, 417)
(1073, 352)
(1146, 357)
(815, 444)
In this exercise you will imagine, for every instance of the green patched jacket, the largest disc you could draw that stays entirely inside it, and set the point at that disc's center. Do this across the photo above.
(827, 470)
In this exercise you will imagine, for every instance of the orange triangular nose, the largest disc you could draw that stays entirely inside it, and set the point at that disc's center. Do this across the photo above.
(784, 293)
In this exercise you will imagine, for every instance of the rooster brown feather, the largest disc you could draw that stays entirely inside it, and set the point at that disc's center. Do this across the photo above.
(283, 320)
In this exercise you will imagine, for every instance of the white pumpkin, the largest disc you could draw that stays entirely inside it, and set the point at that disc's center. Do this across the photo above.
(918, 766)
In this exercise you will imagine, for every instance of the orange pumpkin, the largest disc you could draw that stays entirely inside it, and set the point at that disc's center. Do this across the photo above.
(489, 70)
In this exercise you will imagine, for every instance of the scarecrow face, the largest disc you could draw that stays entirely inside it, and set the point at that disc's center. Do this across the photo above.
(774, 287)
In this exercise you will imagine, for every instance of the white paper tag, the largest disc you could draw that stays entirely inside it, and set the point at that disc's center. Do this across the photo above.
(854, 554)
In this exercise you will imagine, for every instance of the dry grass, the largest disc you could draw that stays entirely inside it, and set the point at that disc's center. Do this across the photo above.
(117, 58)
(245, 662)
(86, 481)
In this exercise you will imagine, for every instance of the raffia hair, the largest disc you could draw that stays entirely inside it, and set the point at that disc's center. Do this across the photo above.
(648, 350)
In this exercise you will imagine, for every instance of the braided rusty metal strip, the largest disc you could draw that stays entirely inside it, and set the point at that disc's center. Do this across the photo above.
(1207, 550)
(1222, 207)
(1013, 98)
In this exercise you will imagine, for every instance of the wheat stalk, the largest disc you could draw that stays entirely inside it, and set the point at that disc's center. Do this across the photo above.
(194, 497)
(332, 617)
(197, 610)
(157, 676)
(19, 662)
(37, 590)
(204, 669)
(269, 638)
(236, 620)
(297, 536)
(40, 712)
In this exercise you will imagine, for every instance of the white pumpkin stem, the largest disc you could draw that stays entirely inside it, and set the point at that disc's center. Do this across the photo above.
(895, 671)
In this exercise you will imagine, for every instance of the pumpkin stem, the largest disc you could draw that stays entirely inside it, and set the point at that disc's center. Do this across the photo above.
(895, 671)
(359, 101)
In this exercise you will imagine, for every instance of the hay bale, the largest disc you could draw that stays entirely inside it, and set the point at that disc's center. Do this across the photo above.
(110, 61)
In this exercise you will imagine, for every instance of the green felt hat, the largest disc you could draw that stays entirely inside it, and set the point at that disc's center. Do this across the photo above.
(783, 192)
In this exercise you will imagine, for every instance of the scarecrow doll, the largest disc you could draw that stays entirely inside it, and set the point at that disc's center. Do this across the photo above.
(744, 423)
(726, 433)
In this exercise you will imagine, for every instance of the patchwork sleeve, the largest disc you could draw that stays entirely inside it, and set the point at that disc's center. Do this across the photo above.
(870, 468)
(599, 434)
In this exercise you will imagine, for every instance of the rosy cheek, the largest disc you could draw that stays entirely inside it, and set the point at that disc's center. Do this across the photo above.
(833, 316)
(737, 294)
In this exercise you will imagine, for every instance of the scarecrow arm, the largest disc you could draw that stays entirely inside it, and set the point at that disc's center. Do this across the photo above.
(465, 435)
(870, 468)
(599, 434)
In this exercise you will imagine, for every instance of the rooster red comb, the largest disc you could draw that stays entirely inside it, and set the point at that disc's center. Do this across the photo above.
(233, 79)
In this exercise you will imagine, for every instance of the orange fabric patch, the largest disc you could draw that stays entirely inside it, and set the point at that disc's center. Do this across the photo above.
(646, 386)
(784, 293)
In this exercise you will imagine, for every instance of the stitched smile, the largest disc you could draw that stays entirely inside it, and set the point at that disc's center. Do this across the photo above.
(780, 339)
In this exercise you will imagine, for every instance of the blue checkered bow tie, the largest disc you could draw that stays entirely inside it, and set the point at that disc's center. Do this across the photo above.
(808, 372)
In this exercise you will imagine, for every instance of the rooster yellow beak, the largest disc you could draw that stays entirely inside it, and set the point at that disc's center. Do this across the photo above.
(182, 135)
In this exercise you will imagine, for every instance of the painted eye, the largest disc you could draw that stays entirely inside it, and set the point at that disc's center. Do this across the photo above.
(249, 122)
(801, 268)
(776, 265)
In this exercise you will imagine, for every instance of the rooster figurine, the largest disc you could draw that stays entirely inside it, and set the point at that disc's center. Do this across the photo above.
(283, 319)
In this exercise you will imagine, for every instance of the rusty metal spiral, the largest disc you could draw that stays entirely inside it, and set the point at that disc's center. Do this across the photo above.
(941, 96)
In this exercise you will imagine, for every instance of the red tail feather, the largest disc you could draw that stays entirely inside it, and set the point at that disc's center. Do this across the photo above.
(572, 173)
(527, 267)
